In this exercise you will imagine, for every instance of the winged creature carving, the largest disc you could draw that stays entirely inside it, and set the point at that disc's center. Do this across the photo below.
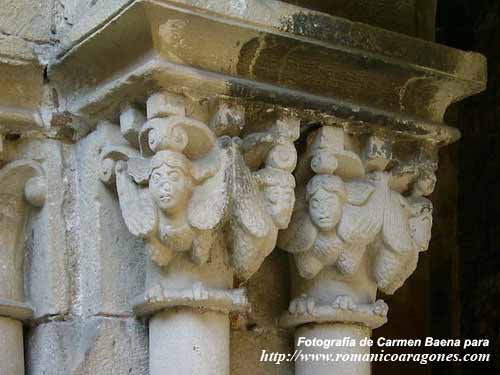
(343, 215)
(175, 198)
(183, 184)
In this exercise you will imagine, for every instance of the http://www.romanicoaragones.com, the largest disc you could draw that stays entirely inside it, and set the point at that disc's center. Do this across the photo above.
(329, 350)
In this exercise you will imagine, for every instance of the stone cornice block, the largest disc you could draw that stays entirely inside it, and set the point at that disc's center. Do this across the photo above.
(21, 80)
(271, 52)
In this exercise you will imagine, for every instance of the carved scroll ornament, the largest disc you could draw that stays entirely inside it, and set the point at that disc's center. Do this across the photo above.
(22, 183)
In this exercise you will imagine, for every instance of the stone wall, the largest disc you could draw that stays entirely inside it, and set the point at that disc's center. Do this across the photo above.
(84, 267)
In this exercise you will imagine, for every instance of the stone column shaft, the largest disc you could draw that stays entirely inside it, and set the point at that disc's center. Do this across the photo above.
(189, 342)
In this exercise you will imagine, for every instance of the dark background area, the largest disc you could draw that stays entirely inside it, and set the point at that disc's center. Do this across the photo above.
(475, 25)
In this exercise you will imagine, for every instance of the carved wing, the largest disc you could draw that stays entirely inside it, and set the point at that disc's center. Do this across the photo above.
(396, 231)
(209, 201)
(421, 222)
(138, 209)
(248, 207)
(300, 234)
(391, 269)
(362, 219)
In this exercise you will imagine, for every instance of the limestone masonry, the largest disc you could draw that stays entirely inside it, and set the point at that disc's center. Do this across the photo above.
(187, 181)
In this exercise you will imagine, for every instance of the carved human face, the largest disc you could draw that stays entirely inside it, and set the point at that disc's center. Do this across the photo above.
(169, 187)
(325, 209)
(280, 202)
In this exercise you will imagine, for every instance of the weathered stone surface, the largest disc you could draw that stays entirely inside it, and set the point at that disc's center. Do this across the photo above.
(75, 19)
(173, 181)
(88, 347)
(27, 19)
(411, 17)
(189, 342)
(11, 342)
(20, 72)
(47, 280)
(334, 66)
(108, 260)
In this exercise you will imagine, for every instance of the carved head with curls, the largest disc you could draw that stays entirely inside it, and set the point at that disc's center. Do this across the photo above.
(170, 182)
(278, 188)
(326, 195)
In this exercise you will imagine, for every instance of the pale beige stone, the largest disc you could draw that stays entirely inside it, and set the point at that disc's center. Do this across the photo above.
(189, 342)
(12, 348)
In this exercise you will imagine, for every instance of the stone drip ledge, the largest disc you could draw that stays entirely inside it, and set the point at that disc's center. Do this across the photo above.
(414, 80)
(15, 310)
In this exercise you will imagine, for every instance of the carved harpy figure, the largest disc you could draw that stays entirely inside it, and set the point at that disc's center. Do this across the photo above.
(261, 201)
(184, 184)
(340, 220)
(182, 204)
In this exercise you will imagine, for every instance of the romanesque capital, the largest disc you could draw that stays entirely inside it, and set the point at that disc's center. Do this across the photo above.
(190, 189)
(359, 224)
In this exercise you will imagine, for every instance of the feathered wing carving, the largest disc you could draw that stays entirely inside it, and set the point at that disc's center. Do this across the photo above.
(421, 222)
(391, 269)
(207, 209)
(398, 245)
(251, 230)
(248, 208)
(138, 209)
(362, 220)
(209, 201)
(396, 231)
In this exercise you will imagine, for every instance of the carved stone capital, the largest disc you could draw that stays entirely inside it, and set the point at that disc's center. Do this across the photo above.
(206, 204)
(359, 224)
(22, 184)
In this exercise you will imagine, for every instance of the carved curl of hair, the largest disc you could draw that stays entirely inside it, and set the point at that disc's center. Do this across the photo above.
(329, 183)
